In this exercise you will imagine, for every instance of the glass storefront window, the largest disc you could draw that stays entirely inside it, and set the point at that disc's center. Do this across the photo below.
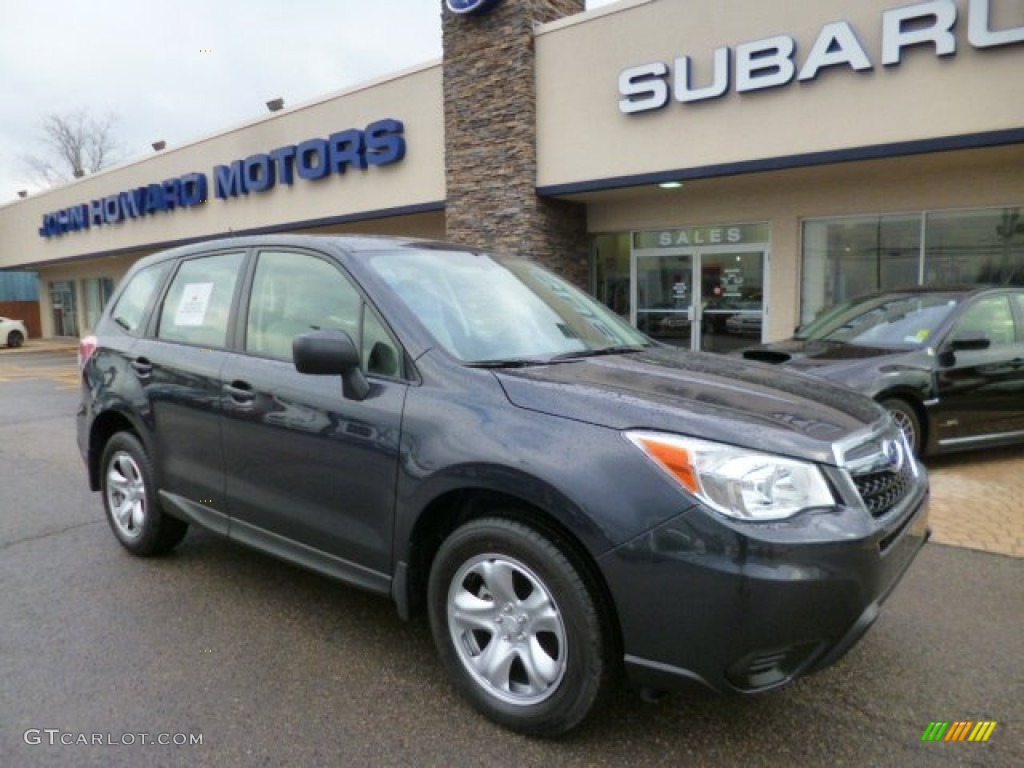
(984, 246)
(843, 258)
(610, 271)
(97, 293)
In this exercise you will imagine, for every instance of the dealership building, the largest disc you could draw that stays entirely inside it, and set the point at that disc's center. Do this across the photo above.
(715, 172)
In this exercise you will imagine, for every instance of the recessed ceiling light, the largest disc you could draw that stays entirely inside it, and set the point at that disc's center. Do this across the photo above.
(671, 184)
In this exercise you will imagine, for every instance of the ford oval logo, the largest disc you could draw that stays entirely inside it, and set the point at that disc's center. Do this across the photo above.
(470, 6)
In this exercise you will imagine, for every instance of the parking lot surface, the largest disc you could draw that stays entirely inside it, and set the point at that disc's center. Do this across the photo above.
(979, 500)
(270, 665)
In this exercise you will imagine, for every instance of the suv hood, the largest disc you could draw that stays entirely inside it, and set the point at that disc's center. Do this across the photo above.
(702, 395)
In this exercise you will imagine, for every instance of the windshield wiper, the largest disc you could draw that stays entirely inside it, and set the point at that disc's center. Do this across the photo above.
(620, 349)
(514, 362)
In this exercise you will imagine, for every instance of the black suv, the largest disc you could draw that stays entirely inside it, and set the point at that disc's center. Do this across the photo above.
(476, 438)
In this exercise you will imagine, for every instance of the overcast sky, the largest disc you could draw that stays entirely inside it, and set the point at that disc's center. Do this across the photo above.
(146, 62)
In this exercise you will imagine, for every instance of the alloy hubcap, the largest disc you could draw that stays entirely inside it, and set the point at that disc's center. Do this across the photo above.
(126, 494)
(507, 629)
(906, 426)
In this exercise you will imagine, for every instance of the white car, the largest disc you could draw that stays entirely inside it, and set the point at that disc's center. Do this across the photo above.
(12, 332)
(744, 323)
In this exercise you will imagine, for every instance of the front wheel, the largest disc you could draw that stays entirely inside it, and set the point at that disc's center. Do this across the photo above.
(906, 419)
(15, 339)
(517, 628)
(129, 498)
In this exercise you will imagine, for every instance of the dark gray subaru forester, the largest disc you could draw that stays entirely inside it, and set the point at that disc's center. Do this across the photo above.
(476, 438)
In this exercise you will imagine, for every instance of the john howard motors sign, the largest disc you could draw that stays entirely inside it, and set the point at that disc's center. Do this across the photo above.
(380, 143)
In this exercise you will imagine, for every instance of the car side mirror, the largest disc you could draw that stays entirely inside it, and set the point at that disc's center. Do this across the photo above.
(331, 353)
(970, 341)
(964, 342)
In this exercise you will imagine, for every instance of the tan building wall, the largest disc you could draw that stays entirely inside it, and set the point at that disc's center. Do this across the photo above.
(112, 267)
(965, 179)
(413, 97)
(583, 135)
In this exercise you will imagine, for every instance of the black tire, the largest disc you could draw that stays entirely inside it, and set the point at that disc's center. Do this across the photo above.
(550, 657)
(906, 418)
(129, 498)
(15, 339)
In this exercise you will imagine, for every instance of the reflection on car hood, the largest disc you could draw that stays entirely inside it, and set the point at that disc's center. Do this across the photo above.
(710, 396)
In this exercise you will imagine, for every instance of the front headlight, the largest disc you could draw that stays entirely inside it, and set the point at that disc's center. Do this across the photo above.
(738, 482)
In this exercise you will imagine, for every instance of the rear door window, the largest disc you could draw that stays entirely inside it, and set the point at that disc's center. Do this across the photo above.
(197, 307)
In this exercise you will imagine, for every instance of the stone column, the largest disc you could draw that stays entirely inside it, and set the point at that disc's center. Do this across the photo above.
(491, 139)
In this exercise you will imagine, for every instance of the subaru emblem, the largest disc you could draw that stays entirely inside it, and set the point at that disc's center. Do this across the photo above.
(893, 452)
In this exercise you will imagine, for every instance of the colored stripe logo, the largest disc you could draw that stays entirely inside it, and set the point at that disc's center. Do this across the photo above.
(959, 730)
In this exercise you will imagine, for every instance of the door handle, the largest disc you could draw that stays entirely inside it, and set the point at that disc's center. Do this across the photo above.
(240, 391)
(142, 366)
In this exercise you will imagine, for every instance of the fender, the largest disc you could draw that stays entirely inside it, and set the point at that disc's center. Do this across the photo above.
(120, 410)
(899, 378)
(425, 510)
(492, 478)
(134, 410)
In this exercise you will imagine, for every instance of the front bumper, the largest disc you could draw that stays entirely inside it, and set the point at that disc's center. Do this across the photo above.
(744, 608)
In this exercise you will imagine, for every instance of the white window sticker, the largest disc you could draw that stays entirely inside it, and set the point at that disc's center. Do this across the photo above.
(193, 304)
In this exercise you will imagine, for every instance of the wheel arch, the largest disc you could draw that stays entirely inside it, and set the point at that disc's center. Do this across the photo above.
(454, 507)
(105, 426)
(912, 398)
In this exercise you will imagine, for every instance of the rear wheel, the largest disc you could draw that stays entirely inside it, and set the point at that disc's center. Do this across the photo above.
(15, 339)
(517, 628)
(907, 420)
(129, 497)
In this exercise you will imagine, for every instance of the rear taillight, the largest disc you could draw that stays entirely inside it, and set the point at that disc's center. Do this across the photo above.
(85, 349)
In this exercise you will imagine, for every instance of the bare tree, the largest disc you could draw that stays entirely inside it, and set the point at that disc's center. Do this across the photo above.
(75, 144)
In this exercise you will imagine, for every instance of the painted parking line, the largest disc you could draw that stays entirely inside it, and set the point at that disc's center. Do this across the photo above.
(36, 349)
(62, 375)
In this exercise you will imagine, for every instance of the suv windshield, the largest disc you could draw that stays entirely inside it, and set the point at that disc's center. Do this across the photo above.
(482, 309)
(892, 320)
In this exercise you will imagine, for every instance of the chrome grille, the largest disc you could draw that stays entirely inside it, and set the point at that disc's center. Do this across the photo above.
(883, 470)
(884, 489)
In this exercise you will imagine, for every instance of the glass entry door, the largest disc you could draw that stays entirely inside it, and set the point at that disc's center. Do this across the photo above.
(732, 299)
(65, 313)
(664, 287)
(710, 299)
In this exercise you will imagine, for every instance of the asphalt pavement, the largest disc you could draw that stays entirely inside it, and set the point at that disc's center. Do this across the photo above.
(265, 664)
